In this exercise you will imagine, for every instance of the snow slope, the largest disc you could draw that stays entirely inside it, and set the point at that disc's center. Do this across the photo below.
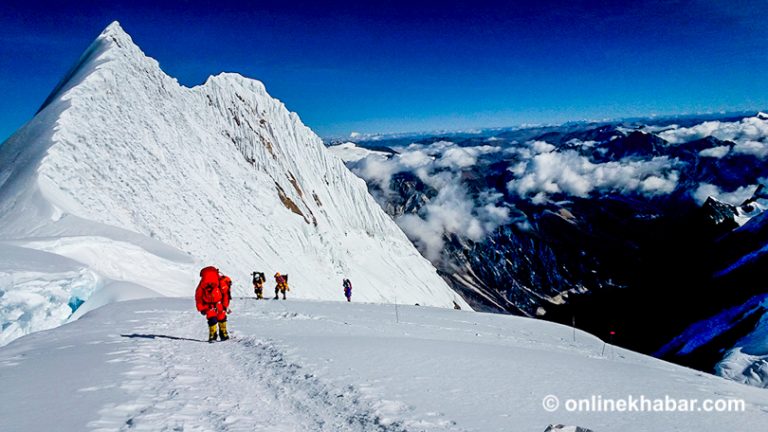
(747, 361)
(131, 182)
(329, 366)
(351, 152)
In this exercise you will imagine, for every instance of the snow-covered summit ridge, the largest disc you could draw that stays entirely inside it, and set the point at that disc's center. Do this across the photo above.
(128, 173)
(112, 36)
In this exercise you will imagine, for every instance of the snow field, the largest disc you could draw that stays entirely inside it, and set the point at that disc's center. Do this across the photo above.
(329, 366)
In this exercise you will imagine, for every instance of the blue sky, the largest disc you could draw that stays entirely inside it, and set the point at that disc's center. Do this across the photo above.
(372, 66)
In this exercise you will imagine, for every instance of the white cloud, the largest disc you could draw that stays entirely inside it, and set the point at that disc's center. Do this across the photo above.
(683, 135)
(737, 197)
(463, 157)
(486, 149)
(715, 152)
(542, 147)
(748, 129)
(575, 142)
(755, 148)
(655, 185)
(572, 174)
(414, 159)
(438, 146)
(377, 169)
(518, 169)
(457, 157)
(434, 148)
(428, 237)
(452, 211)
(651, 129)
(493, 216)
(704, 191)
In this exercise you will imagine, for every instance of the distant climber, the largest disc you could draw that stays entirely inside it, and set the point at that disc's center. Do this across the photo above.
(210, 303)
(282, 285)
(347, 284)
(258, 284)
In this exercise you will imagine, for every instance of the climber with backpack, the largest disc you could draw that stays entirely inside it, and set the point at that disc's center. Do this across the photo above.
(347, 284)
(258, 284)
(210, 303)
(282, 285)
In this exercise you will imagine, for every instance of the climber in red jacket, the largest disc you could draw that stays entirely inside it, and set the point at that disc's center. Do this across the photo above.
(210, 302)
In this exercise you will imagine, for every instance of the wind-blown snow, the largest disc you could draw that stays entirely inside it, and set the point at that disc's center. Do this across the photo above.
(338, 367)
(141, 181)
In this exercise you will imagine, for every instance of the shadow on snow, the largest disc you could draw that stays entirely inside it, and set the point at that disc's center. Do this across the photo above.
(156, 336)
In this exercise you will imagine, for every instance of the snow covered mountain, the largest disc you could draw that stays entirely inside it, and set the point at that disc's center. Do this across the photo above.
(126, 182)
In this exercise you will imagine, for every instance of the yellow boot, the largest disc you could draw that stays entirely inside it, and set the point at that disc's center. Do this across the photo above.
(223, 335)
(212, 333)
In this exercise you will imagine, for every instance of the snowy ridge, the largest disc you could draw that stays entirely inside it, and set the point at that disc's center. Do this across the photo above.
(142, 181)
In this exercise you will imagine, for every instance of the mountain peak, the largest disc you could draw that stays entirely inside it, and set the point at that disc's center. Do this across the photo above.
(114, 26)
(114, 32)
(112, 44)
(116, 40)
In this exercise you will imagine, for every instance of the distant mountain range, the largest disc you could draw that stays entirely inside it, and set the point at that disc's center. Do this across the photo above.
(649, 229)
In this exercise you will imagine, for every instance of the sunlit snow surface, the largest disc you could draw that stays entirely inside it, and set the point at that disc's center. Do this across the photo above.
(329, 366)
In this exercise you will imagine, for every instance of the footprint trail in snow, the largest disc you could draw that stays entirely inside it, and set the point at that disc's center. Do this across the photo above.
(245, 384)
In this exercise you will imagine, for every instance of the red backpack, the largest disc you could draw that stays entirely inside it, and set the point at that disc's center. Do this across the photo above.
(209, 285)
